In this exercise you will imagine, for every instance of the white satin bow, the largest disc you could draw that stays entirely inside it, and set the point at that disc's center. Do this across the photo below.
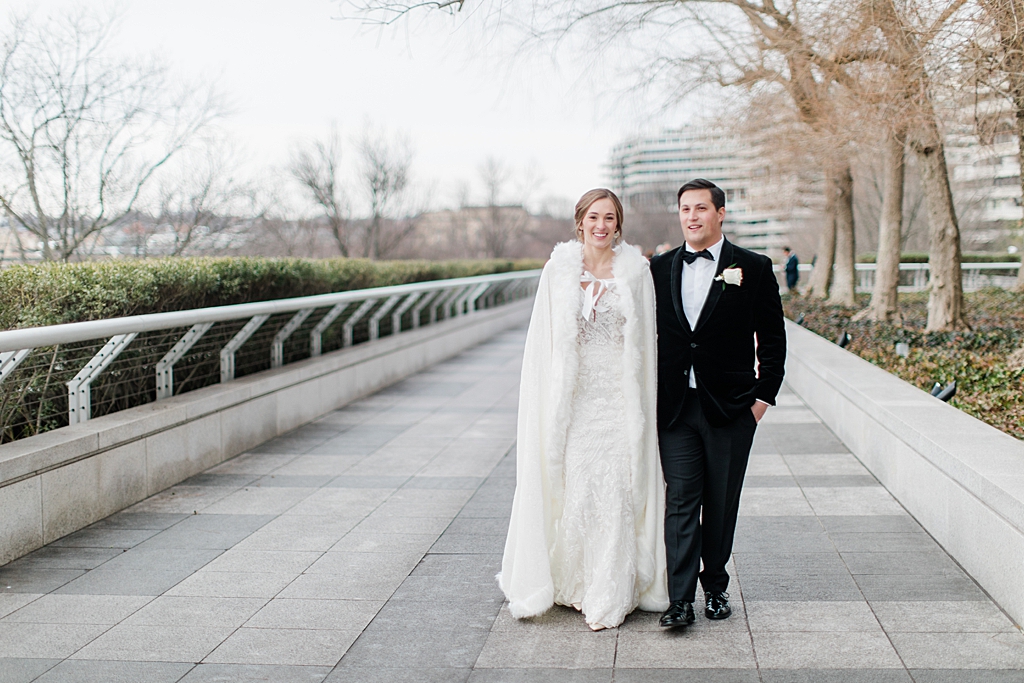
(594, 292)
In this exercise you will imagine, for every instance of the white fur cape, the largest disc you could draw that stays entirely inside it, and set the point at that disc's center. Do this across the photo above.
(550, 365)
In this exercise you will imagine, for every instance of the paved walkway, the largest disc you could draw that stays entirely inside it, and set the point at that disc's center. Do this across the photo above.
(363, 547)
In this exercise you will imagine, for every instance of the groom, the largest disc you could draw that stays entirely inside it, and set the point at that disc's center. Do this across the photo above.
(718, 308)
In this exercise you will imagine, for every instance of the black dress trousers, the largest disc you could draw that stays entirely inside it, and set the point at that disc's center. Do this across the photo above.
(704, 468)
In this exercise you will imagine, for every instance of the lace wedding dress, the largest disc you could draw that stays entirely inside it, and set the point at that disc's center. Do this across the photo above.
(594, 564)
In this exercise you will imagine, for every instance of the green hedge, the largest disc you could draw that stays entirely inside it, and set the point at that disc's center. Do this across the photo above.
(34, 398)
(968, 257)
(989, 387)
(55, 293)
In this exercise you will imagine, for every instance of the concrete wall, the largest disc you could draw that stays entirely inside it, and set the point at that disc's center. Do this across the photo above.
(58, 482)
(962, 479)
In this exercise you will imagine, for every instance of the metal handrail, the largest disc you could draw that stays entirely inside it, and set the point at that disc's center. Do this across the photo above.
(35, 337)
(1007, 265)
(915, 276)
(454, 298)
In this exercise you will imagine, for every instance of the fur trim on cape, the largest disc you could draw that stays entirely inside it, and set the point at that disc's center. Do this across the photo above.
(550, 366)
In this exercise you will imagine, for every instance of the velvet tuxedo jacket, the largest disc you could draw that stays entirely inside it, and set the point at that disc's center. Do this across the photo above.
(721, 347)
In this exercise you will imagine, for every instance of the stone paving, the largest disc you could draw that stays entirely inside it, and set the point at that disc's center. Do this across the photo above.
(363, 547)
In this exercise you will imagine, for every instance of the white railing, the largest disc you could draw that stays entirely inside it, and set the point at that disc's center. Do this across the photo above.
(914, 276)
(404, 306)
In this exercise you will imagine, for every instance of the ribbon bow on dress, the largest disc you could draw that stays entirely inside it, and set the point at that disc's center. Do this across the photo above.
(594, 292)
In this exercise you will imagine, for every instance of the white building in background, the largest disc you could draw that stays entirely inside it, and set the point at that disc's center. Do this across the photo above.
(985, 179)
(647, 171)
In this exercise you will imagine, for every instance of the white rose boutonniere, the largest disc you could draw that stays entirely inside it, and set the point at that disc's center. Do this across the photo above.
(730, 276)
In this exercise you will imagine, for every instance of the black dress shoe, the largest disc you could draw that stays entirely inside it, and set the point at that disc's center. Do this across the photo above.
(716, 605)
(679, 613)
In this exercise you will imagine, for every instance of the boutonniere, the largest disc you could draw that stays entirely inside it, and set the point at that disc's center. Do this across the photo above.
(730, 276)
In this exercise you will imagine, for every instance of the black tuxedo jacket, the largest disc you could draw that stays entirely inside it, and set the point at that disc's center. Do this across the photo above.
(721, 349)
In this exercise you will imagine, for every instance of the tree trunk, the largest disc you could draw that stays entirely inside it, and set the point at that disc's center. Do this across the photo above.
(884, 305)
(1017, 83)
(945, 290)
(338, 230)
(372, 239)
(843, 292)
(821, 276)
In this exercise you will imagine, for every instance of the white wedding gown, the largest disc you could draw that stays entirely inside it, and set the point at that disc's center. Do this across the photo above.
(594, 563)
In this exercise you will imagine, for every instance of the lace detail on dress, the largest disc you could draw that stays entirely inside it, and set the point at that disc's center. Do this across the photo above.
(594, 559)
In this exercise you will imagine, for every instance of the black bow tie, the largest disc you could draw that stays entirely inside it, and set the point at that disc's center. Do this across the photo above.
(691, 256)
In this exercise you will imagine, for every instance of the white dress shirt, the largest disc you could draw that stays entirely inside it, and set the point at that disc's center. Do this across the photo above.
(697, 278)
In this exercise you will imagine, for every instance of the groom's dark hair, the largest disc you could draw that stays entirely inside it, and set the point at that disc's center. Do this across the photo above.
(717, 195)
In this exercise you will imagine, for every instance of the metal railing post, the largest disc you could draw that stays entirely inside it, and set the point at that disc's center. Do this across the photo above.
(347, 329)
(380, 313)
(10, 360)
(511, 294)
(396, 317)
(438, 303)
(501, 289)
(475, 295)
(277, 347)
(492, 297)
(444, 303)
(227, 354)
(165, 366)
(80, 388)
(317, 333)
(417, 312)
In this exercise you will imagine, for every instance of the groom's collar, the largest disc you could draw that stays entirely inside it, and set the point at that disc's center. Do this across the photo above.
(715, 249)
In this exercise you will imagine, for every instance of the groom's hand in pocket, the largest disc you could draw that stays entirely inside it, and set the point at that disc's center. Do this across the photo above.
(758, 409)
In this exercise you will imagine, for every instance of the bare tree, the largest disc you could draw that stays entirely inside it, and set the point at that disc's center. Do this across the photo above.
(83, 130)
(495, 175)
(904, 33)
(785, 47)
(501, 223)
(884, 304)
(882, 105)
(744, 43)
(383, 172)
(204, 206)
(316, 167)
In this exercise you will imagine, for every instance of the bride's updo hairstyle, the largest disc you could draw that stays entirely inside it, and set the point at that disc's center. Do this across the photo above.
(584, 204)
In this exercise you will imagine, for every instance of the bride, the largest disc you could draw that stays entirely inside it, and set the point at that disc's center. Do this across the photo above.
(588, 514)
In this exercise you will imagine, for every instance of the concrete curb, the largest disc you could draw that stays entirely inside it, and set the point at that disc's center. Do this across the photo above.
(962, 479)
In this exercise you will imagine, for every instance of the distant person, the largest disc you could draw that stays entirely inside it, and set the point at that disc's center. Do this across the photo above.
(587, 518)
(792, 269)
(662, 248)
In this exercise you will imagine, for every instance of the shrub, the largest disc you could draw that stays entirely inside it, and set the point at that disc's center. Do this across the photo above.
(34, 398)
(55, 293)
(988, 386)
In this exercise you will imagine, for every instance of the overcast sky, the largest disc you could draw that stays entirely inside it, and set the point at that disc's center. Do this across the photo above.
(289, 69)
